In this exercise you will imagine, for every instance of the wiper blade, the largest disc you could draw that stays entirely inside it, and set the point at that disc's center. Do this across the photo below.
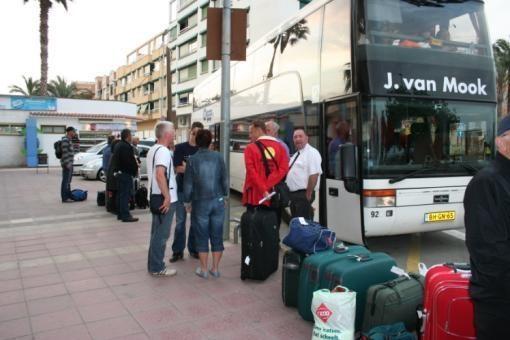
(469, 168)
(411, 174)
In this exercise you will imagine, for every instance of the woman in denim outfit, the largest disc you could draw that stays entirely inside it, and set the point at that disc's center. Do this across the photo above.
(205, 188)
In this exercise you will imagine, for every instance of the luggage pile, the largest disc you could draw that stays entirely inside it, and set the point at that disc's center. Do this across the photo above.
(339, 283)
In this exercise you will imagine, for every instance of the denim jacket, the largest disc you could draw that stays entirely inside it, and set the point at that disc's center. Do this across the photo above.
(205, 176)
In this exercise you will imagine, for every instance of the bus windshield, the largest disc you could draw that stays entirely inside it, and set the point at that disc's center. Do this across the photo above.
(456, 26)
(400, 135)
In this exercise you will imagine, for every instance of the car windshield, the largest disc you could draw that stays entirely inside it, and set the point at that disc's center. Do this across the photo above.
(448, 25)
(96, 148)
(401, 135)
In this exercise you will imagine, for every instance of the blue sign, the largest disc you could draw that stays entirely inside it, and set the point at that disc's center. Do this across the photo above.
(28, 103)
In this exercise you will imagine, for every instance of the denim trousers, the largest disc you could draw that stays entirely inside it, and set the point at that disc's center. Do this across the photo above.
(160, 231)
(207, 217)
(65, 187)
(180, 229)
(125, 184)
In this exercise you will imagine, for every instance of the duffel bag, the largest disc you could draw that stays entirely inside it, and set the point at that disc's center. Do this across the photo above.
(308, 237)
(78, 195)
(334, 313)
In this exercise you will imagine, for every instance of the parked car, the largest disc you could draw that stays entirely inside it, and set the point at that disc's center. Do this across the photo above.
(94, 168)
(93, 153)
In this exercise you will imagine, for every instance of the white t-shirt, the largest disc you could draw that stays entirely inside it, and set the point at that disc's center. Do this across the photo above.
(308, 163)
(164, 158)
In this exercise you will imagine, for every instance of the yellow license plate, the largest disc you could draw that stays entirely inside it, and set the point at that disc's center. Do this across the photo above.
(440, 216)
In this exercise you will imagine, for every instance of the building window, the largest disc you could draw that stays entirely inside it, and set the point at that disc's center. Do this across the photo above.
(185, 98)
(173, 53)
(188, 48)
(12, 129)
(173, 10)
(188, 73)
(185, 3)
(203, 11)
(53, 129)
(174, 78)
(173, 33)
(188, 22)
(203, 39)
(216, 65)
(204, 66)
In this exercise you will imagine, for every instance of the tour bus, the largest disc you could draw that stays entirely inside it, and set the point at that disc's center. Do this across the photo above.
(397, 95)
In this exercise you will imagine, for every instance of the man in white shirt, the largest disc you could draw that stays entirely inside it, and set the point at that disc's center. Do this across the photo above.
(303, 176)
(160, 171)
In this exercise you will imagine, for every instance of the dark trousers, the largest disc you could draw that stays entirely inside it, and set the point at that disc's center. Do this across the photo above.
(491, 320)
(125, 184)
(180, 228)
(300, 206)
(65, 187)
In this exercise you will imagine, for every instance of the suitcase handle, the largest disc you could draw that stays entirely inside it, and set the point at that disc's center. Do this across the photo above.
(458, 267)
(291, 266)
(360, 257)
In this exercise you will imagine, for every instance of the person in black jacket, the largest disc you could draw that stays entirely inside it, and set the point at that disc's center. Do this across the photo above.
(487, 220)
(126, 167)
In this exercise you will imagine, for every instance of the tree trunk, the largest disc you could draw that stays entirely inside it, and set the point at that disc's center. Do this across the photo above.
(275, 47)
(43, 32)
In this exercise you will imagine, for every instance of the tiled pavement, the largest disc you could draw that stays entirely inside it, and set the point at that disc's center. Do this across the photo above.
(73, 272)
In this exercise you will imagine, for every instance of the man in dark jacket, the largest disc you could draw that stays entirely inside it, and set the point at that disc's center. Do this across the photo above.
(67, 164)
(126, 168)
(487, 220)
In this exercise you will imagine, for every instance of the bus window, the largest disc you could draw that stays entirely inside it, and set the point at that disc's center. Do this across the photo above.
(402, 135)
(448, 26)
(341, 129)
(336, 50)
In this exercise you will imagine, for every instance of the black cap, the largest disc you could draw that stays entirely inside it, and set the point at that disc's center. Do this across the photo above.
(70, 128)
(504, 125)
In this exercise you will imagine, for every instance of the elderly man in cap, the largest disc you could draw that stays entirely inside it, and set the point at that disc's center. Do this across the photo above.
(487, 220)
(66, 161)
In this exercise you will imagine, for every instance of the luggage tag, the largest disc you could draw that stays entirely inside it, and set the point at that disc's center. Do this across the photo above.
(400, 272)
(422, 268)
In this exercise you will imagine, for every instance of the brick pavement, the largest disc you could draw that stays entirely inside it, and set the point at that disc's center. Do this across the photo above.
(73, 272)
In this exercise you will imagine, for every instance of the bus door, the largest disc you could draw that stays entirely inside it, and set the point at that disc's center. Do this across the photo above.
(343, 205)
(215, 129)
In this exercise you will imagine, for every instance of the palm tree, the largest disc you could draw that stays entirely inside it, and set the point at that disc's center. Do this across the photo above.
(295, 33)
(44, 6)
(31, 87)
(502, 55)
(62, 89)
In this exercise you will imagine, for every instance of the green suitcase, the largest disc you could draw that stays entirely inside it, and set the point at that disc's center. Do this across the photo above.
(312, 272)
(394, 301)
(358, 274)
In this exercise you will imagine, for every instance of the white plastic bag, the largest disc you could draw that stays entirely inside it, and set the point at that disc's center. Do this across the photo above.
(334, 313)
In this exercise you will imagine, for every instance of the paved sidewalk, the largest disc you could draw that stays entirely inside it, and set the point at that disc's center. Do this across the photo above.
(71, 271)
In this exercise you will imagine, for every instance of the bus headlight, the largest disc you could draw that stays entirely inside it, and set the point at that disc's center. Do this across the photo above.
(379, 198)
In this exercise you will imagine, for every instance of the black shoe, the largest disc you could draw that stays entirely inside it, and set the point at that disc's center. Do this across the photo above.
(193, 255)
(176, 257)
(130, 219)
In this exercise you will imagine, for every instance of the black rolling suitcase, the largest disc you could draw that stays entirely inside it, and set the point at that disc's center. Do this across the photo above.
(101, 198)
(291, 268)
(111, 201)
(259, 244)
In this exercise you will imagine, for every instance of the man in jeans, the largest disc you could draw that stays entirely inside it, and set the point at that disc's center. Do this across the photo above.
(161, 175)
(127, 168)
(181, 154)
(66, 161)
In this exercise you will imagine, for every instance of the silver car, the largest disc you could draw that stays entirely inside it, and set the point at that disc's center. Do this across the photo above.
(94, 168)
(82, 158)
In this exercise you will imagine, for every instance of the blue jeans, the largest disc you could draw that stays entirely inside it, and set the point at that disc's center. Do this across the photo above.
(180, 228)
(125, 184)
(207, 217)
(160, 232)
(65, 187)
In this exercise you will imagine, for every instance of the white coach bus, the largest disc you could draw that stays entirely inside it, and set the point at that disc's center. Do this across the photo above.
(403, 90)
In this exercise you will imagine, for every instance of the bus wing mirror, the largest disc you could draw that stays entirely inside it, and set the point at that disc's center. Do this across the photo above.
(349, 167)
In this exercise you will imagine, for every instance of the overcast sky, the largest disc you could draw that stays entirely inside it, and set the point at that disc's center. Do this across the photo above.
(94, 36)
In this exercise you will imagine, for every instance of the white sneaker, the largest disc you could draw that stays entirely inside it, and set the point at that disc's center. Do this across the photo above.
(165, 272)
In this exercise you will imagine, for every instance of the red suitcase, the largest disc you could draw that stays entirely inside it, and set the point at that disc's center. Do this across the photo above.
(447, 308)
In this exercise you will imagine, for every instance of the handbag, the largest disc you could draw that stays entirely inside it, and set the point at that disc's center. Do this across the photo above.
(281, 199)
(308, 237)
(156, 200)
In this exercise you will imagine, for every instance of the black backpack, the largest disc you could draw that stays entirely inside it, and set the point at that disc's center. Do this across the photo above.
(141, 198)
(58, 149)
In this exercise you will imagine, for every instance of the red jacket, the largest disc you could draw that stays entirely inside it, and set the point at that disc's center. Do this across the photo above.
(256, 182)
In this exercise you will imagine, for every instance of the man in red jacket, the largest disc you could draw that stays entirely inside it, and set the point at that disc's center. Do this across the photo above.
(257, 185)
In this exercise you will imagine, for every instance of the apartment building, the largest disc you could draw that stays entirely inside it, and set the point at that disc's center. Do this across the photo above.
(143, 79)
